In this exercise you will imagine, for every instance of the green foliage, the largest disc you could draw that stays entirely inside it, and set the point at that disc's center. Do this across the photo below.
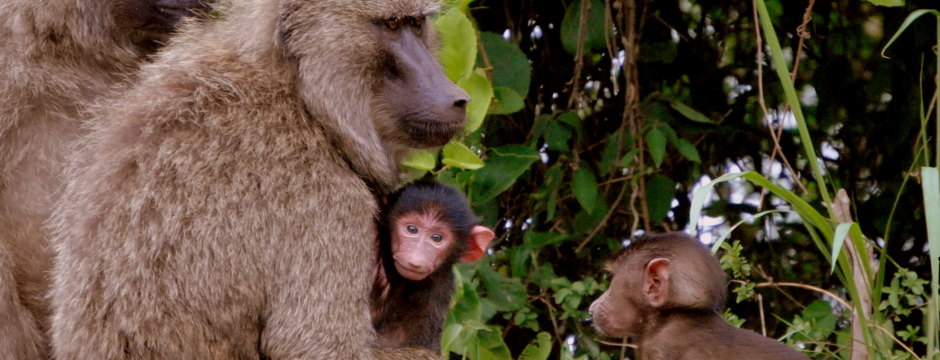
(566, 179)
(571, 27)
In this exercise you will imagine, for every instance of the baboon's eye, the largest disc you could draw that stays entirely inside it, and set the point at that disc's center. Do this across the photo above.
(419, 22)
(412, 229)
(437, 238)
(393, 24)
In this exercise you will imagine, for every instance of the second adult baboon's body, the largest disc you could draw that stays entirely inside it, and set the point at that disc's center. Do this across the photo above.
(56, 57)
(231, 217)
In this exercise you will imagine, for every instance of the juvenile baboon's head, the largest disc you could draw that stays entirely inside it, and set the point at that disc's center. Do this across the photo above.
(657, 274)
(368, 72)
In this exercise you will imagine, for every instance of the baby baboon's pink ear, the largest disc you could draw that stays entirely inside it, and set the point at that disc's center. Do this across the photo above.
(480, 237)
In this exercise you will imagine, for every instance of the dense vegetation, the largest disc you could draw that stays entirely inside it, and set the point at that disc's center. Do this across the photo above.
(595, 120)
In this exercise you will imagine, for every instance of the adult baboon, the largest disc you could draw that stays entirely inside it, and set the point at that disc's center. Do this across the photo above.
(224, 206)
(56, 56)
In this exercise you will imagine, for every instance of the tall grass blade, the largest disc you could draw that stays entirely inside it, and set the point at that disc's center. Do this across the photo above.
(931, 184)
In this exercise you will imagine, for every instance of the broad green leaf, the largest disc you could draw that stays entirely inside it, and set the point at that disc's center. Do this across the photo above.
(540, 350)
(687, 150)
(460, 156)
(421, 160)
(507, 294)
(492, 346)
(574, 121)
(503, 166)
(656, 143)
(557, 135)
(629, 159)
(584, 187)
(571, 28)
(458, 44)
(506, 101)
(586, 220)
(660, 191)
(519, 260)
(450, 335)
(481, 94)
(690, 113)
(466, 306)
(511, 67)
(821, 319)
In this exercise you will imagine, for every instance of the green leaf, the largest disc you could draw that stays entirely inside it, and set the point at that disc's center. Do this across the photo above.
(481, 94)
(838, 240)
(421, 160)
(492, 347)
(506, 101)
(507, 294)
(504, 165)
(571, 28)
(573, 120)
(656, 144)
(907, 22)
(690, 113)
(458, 44)
(519, 260)
(511, 67)
(660, 192)
(584, 187)
(460, 156)
(540, 350)
(687, 150)
(891, 3)
(466, 305)
(450, 335)
(557, 135)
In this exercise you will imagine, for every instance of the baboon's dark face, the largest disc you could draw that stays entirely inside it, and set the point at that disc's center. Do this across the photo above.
(156, 18)
(430, 108)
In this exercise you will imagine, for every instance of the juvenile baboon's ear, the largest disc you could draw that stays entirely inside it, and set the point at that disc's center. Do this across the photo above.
(480, 237)
(656, 282)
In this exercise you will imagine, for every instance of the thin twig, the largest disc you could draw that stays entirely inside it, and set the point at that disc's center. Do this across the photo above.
(603, 222)
(579, 56)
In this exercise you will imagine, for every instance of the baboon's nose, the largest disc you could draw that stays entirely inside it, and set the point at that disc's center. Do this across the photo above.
(459, 98)
(461, 103)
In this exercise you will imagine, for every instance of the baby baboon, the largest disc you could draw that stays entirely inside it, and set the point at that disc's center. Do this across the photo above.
(426, 229)
(231, 216)
(56, 57)
(667, 292)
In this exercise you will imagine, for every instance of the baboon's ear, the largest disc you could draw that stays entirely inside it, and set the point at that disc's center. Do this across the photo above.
(480, 237)
(656, 282)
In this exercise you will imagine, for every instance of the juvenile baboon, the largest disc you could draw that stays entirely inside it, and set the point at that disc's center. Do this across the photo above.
(426, 229)
(231, 217)
(56, 56)
(667, 292)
